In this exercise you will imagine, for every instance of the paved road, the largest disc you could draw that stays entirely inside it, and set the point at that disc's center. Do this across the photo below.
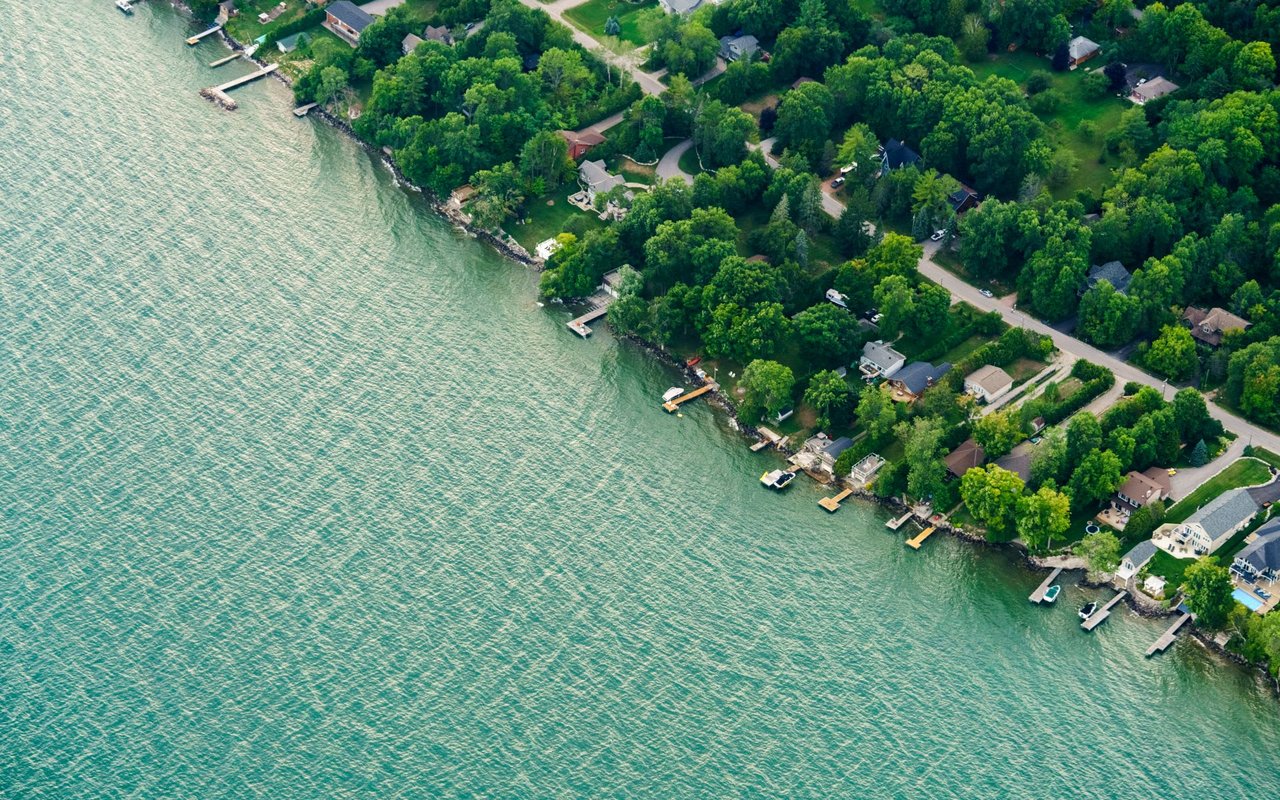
(1124, 371)
(649, 84)
(832, 206)
(669, 164)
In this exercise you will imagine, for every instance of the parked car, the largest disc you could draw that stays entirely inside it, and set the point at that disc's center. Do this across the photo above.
(937, 236)
(985, 293)
(837, 183)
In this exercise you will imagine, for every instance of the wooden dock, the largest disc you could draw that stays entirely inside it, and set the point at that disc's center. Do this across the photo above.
(1168, 637)
(915, 543)
(1100, 616)
(582, 325)
(760, 445)
(671, 405)
(225, 59)
(1038, 595)
(194, 39)
(218, 94)
(302, 111)
(832, 504)
(894, 524)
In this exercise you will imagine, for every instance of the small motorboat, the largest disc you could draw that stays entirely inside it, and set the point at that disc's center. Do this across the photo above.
(693, 362)
(777, 479)
(672, 394)
(1051, 594)
(124, 6)
(1087, 610)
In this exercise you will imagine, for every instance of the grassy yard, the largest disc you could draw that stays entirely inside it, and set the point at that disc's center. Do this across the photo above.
(546, 221)
(1064, 123)
(823, 254)
(689, 161)
(1169, 568)
(1245, 472)
(1267, 456)
(592, 15)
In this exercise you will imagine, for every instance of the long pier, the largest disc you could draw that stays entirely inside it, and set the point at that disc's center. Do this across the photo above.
(194, 39)
(1100, 616)
(832, 504)
(1168, 637)
(671, 405)
(915, 543)
(219, 95)
(1038, 595)
(225, 59)
(581, 325)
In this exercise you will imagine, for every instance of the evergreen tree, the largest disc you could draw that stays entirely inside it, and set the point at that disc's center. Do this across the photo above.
(1200, 454)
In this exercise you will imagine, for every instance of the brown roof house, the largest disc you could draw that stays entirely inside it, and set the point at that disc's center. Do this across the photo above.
(965, 457)
(581, 141)
(1209, 326)
(1150, 90)
(1141, 488)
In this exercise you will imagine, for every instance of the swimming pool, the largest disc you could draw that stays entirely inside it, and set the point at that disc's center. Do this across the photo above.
(1250, 602)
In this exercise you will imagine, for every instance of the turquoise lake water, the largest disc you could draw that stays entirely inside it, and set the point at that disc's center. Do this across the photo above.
(303, 496)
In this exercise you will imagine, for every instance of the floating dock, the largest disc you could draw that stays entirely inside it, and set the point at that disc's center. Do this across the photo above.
(302, 111)
(1038, 595)
(894, 524)
(915, 543)
(225, 59)
(218, 94)
(1168, 637)
(832, 504)
(671, 405)
(582, 325)
(1100, 616)
(194, 39)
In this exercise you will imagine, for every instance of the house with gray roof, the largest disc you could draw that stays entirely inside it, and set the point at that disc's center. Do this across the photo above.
(410, 42)
(680, 6)
(1080, 50)
(733, 48)
(347, 20)
(880, 360)
(1112, 272)
(1261, 557)
(1134, 560)
(595, 179)
(1212, 524)
(914, 378)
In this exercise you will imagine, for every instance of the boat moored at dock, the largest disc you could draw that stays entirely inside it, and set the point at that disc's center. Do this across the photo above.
(777, 479)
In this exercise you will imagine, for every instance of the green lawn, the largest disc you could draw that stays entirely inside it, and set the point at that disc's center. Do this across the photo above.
(823, 254)
(689, 161)
(951, 263)
(591, 17)
(1064, 123)
(1267, 456)
(1169, 568)
(547, 221)
(1245, 472)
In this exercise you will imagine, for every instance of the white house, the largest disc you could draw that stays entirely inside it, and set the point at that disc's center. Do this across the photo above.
(879, 360)
(1135, 559)
(1210, 526)
(595, 179)
(865, 469)
(988, 383)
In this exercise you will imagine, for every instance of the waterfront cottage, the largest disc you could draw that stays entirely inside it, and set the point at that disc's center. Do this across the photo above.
(865, 469)
(346, 20)
(1210, 526)
(595, 179)
(913, 379)
(988, 383)
(1135, 559)
(1018, 461)
(1260, 559)
(1141, 488)
(820, 452)
(965, 457)
(879, 360)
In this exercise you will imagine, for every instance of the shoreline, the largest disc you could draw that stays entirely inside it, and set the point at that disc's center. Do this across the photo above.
(511, 249)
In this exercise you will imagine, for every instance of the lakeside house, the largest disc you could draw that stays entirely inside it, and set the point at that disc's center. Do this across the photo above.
(1210, 326)
(595, 180)
(410, 43)
(546, 248)
(292, 42)
(1080, 50)
(1142, 488)
(1018, 461)
(1260, 559)
(579, 142)
(1112, 272)
(988, 383)
(1154, 585)
(880, 360)
(913, 379)
(820, 452)
(865, 470)
(733, 48)
(1209, 527)
(895, 155)
(611, 283)
(346, 20)
(1134, 560)
(965, 457)
(1152, 89)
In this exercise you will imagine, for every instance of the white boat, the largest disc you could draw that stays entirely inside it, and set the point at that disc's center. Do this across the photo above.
(1051, 594)
(672, 394)
(124, 6)
(777, 479)
(1087, 610)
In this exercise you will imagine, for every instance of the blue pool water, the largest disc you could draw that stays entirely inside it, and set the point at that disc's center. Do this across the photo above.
(1250, 602)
